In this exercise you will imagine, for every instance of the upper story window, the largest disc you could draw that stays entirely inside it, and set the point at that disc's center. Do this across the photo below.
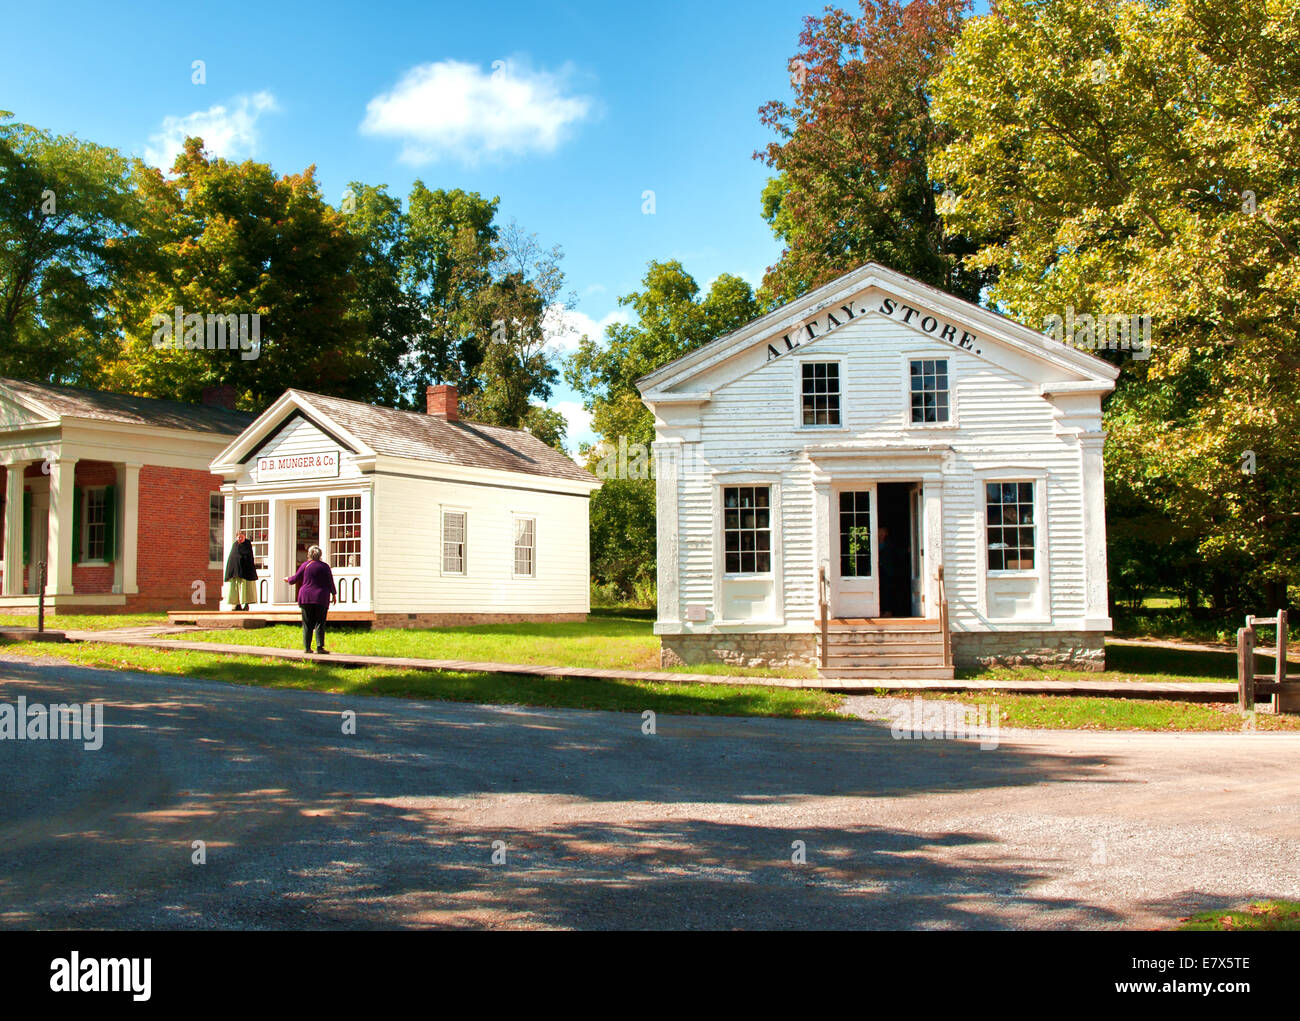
(821, 393)
(1010, 525)
(929, 391)
(747, 529)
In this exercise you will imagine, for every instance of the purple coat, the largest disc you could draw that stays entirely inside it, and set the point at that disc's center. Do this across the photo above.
(316, 583)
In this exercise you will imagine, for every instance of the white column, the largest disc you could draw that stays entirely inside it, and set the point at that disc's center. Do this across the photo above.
(822, 532)
(668, 466)
(932, 509)
(58, 577)
(229, 527)
(1096, 611)
(13, 526)
(130, 528)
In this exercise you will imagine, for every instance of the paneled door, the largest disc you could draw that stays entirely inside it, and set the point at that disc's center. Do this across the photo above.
(855, 590)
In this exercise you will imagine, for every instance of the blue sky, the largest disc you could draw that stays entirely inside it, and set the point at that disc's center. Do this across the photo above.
(568, 111)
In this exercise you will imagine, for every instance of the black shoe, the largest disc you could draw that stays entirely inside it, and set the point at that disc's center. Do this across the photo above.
(322, 652)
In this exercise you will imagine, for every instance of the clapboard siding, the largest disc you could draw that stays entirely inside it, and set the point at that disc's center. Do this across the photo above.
(408, 549)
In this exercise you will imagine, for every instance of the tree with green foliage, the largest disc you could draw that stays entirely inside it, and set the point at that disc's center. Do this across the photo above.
(69, 219)
(384, 311)
(854, 181)
(1124, 158)
(451, 241)
(236, 239)
(511, 364)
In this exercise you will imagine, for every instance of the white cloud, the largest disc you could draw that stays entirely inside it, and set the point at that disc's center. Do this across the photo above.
(451, 108)
(564, 328)
(227, 131)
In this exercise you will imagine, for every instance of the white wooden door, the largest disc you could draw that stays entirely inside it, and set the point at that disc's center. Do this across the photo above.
(855, 573)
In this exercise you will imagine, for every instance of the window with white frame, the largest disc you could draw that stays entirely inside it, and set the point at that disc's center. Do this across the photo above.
(345, 531)
(747, 529)
(930, 396)
(216, 527)
(254, 522)
(525, 547)
(453, 543)
(820, 393)
(1010, 525)
(95, 535)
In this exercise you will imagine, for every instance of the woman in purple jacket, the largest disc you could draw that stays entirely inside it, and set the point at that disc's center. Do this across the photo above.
(315, 583)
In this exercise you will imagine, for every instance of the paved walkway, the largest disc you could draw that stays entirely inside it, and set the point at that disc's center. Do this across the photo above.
(1192, 691)
(597, 825)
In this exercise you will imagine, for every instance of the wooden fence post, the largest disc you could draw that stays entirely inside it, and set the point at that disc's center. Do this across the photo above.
(1246, 669)
(1281, 650)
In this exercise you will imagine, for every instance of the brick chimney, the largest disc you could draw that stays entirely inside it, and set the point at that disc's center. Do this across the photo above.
(222, 396)
(443, 401)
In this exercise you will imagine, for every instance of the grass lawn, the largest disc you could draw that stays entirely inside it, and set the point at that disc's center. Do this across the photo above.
(83, 621)
(1030, 711)
(1260, 916)
(613, 642)
(493, 689)
(1068, 712)
(1130, 663)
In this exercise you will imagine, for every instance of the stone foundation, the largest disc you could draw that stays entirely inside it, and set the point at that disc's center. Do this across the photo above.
(1070, 650)
(753, 649)
(470, 619)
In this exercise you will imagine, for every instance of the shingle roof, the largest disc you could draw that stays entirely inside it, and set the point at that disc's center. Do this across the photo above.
(429, 438)
(112, 407)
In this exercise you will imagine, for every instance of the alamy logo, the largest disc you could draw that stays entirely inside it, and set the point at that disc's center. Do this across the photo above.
(930, 721)
(102, 975)
(56, 722)
(1115, 331)
(213, 332)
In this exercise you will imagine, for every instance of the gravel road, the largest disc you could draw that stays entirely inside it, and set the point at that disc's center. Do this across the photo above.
(594, 824)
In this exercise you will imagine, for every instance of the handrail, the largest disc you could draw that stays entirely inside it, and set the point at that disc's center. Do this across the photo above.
(943, 618)
(824, 597)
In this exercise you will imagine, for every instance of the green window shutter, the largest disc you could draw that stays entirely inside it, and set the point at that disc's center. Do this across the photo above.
(27, 526)
(110, 523)
(76, 523)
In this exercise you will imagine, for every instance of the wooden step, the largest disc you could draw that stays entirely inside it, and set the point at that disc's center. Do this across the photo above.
(884, 637)
(888, 673)
(882, 624)
(884, 648)
(916, 659)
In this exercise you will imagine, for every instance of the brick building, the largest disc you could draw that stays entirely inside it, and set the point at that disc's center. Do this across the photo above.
(114, 492)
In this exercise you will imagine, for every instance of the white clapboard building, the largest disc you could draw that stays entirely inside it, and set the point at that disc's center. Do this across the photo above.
(426, 519)
(881, 479)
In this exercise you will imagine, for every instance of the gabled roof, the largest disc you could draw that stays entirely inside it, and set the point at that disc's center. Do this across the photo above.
(370, 429)
(793, 314)
(97, 405)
